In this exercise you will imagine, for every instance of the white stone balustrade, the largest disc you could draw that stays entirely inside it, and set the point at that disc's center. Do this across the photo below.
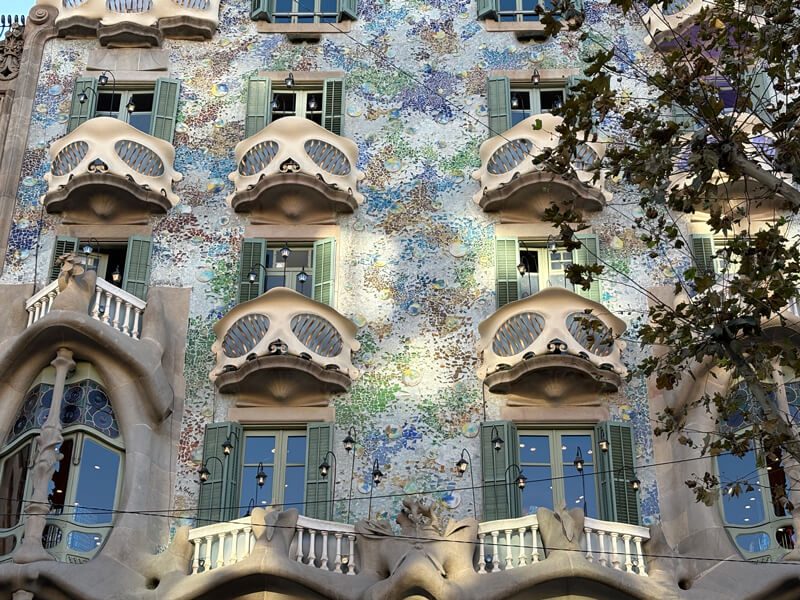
(508, 544)
(297, 145)
(319, 544)
(106, 145)
(510, 155)
(110, 305)
(140, 12)
(553, 321)
(513, 543)
(615, 545)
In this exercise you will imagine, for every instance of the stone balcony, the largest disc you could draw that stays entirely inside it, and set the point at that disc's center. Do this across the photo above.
(552, 347)
(294, 171)
(284, 349)
(426, 559)
(110, 305)
(520, 190)
(107, 171)
(136, 23)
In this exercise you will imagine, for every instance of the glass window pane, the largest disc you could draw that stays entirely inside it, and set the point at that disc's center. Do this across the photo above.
(249, 489)
(83, 541)
(539, 491)
(58, 485)
(508, 6)
(12, 487)
(283, 6)
(294, 488)
(328, 6)
(786, 537)
(528, 6)
(296, 450)
(259, 448)
(274, 281)
(298, 258)
(140, 121)
(748, 507)
(107, 102)
(143, 102)
(97, 484)
(551, 99)
(753, 542)
(574, 492)
(534, 449)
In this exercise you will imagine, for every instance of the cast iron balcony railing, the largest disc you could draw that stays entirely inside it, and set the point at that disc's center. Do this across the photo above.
(284, 348)
(136, 23)
(294, 171)
(110, 171)
(520, 189)
(554, 345)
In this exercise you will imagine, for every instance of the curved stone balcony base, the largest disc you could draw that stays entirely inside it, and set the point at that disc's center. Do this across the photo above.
(526, 197)
(283, 380)
(554, 378)
(291, 198)
(105, 198)
(129, 35)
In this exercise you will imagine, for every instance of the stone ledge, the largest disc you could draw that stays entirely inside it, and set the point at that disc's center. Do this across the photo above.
(305, 31)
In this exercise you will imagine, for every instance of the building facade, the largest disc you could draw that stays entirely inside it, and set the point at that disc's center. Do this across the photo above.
(280, 269)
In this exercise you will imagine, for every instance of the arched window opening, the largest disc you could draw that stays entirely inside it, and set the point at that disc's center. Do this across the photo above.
(84, 490)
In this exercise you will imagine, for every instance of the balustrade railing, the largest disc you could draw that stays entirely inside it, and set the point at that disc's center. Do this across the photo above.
(615, 545)
(319, 544)
(110, 305)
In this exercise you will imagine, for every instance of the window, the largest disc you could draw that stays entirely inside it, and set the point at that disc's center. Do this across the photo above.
(306, 267)
(304, 11)
(709, 255)
(498, 13)
(757, 518)
(125, 263)
(511, 103)
(522, 10)
(297, 103)
(549, 459)
(527, 266)
(321, 102)
(149, 107)
(85, 487)
(526, 102)
(285, 458)
(281, 456)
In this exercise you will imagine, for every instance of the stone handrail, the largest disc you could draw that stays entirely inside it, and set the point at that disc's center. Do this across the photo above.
(106, 145)
(297, 145)
(664, 25)
(320, 544)
(509, 155)
(553, 321)
(282, 321)
(110, 305)
(511, 543)
(141, 12)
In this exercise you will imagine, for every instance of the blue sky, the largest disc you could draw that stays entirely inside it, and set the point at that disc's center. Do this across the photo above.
(16, 7)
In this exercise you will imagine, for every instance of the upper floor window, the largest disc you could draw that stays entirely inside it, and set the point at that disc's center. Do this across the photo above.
(149, 107)
(526, 266)
(590, 467)
(307, 267)
(125, 263)
(264, 466)
(320, 101)
(527, 101)
(524, 16)
(511, 102)
(84, 489)
(304, 11)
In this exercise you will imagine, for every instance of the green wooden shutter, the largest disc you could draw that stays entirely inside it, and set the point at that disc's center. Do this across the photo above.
(259, 105)
(348, 9)
(618, 501)
(80, 113)
(333, 105)
(506, 274)
(703, 252)
(137, 266)
(501, 498)
(324, 270)
(165, 108)
(253, 253)
(487, 9)
(587, 254)
(498, 100)
(261, 10)
(761, 94)
(318, 499)
(63, 245)
(219, 496)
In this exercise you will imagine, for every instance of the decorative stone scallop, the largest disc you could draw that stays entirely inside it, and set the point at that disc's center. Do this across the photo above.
(69, 158)
(244, 335)
(258, 158)
(129, 6)
(140, 158)
(327, 157)
(517, 333)
(591, 333)
(317, 334)
(509, 156)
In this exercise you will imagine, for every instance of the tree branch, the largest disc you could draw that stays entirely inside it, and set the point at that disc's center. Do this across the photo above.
(771, 182)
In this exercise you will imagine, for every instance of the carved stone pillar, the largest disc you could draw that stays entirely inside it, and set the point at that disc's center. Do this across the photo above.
(47, 457)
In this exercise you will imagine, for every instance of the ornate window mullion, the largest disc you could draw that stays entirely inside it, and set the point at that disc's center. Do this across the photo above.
(44, 466)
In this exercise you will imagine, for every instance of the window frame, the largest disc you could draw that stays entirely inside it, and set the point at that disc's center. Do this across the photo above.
(555, 433)
(127, 91)
(295, 14)
(544, 265)
(534, 93)
(300, 92)
(281, 432)
(292, 272)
